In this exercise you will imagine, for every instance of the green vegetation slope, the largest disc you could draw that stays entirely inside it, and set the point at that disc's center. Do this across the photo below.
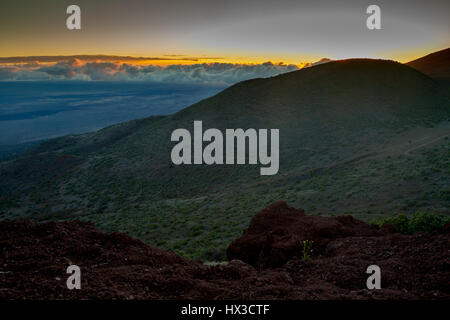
(359, 136)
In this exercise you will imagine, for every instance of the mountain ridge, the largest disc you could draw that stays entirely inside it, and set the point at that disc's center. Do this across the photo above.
(435, 65)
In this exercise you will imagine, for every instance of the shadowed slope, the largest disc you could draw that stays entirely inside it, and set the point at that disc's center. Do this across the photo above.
(435, 65)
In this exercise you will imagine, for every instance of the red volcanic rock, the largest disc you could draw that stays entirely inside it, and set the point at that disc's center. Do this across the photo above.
(34, 258)
(446, 228)
(276, 234)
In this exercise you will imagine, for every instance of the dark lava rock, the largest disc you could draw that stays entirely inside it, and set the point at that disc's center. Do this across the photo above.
(276, 234)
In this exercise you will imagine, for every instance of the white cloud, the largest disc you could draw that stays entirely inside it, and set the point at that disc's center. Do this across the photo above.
(207, 73)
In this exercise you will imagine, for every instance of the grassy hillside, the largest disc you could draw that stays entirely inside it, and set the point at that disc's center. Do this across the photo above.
(366, 137)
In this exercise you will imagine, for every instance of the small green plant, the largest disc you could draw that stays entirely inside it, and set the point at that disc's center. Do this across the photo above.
(307, 248)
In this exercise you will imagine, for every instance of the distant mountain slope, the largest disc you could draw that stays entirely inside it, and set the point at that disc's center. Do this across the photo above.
(321, 61)
(334, 105)
(435, 65)
(335, 119)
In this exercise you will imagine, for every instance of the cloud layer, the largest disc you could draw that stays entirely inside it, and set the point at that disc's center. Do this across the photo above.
(205, 73)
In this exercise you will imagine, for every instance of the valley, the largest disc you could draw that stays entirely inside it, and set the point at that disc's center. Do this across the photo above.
(363, 137)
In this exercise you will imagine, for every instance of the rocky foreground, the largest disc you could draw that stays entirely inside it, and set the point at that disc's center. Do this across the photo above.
(267, 262)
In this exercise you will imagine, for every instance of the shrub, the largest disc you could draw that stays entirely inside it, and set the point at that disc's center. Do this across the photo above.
(423, 222)
(418, 222)
(445, 194)
(214, 254)
(400, 223)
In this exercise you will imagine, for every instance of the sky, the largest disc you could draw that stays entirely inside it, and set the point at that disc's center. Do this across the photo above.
(180, 32)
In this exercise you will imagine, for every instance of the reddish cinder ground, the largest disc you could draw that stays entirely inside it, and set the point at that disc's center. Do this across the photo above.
(34, 258)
